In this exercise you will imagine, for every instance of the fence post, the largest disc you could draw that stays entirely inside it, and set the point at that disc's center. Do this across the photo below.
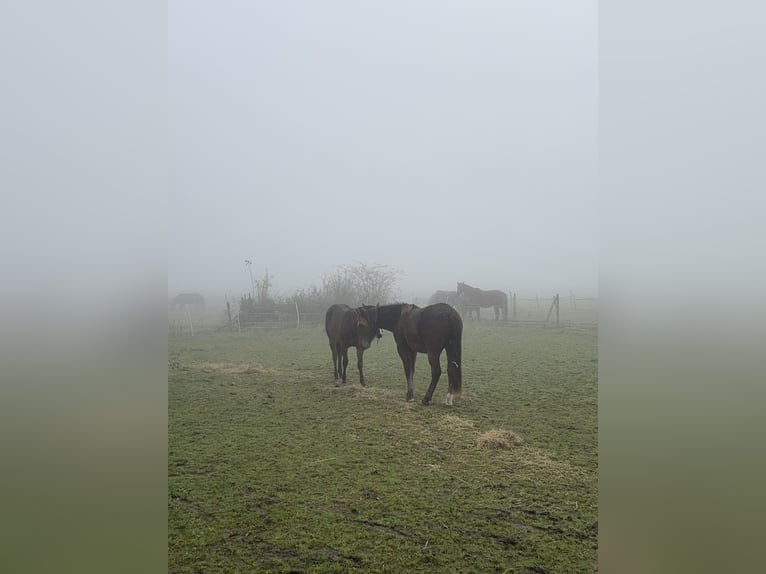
(553, 304)
(191, 325)
(557, 309)
(298, 313)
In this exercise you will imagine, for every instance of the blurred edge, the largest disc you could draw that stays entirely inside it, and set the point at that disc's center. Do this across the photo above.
(83, 337)
(682, 284)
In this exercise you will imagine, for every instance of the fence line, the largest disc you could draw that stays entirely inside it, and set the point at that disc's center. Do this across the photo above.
(528, 310)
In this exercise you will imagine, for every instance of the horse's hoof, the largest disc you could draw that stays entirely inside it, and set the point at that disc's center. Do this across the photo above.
(410, 399)
(425, 402)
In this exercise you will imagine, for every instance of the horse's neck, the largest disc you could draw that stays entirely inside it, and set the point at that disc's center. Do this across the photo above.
(388, 316)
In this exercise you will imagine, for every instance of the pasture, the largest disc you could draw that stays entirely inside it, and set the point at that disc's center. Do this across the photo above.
(272, 468)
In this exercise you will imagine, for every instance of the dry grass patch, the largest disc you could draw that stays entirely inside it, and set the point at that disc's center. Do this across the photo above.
(499, 439)
(455, 422)
(235, 368)
(369, 394)
(539, 459)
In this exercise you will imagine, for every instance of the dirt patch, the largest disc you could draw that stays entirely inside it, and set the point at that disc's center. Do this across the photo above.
(235, 368)
(499, 439)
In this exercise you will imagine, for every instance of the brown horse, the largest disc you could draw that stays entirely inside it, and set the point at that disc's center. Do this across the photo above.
(428, 330)
(471, 296)
(346, 327)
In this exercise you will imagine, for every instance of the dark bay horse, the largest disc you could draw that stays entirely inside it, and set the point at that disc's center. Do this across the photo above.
(428, 330)
(347, 327)
(472, 296)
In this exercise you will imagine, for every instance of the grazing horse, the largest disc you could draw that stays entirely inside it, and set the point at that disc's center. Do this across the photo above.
(182, 300)
(428, 330)
(471, 296)
(346, 328)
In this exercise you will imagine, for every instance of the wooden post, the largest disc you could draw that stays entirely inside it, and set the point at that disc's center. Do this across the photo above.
(298, 313)
(228, 310)
(553, 304)
(191, 325)
(557, 309)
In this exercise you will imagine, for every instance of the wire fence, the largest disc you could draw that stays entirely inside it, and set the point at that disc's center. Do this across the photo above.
(523, 309)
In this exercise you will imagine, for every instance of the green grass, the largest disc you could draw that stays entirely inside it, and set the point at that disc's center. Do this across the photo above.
(272, 468)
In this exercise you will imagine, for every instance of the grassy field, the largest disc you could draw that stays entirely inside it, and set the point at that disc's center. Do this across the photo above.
(272, 468)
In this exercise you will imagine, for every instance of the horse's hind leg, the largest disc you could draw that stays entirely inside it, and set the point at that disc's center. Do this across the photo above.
(408, 361)
(360, 364)
(436, 371)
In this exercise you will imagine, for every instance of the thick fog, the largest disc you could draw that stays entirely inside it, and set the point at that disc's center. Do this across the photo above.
(453, 141)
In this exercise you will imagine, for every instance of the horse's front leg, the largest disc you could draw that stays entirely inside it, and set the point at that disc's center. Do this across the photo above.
(436, 371)
(345, 364)
(360, 364)
(334, 362)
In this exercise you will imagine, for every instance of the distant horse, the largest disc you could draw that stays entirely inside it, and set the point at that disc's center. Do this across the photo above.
(479, 298)
(428, 330)
(465, 308)
(346, 327)
(451, 298)
(183, 300)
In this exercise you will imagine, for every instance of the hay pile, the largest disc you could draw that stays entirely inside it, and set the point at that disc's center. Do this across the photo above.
(499, 439)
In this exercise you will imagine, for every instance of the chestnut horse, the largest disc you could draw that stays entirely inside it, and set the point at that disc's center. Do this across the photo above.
(472, 296)
(429, 330)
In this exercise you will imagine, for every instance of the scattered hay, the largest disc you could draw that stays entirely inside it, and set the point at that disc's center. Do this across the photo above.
(455, 422)
(236, 368)
(368, 393)
(499, 439)
(466, 398)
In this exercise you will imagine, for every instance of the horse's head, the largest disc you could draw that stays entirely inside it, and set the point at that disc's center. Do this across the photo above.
(460, 289)
(367, 325)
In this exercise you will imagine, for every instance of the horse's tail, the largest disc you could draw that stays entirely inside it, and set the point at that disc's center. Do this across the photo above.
(454, 359)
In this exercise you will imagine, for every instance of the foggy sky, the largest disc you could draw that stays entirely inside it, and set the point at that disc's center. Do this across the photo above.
(454, 141)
